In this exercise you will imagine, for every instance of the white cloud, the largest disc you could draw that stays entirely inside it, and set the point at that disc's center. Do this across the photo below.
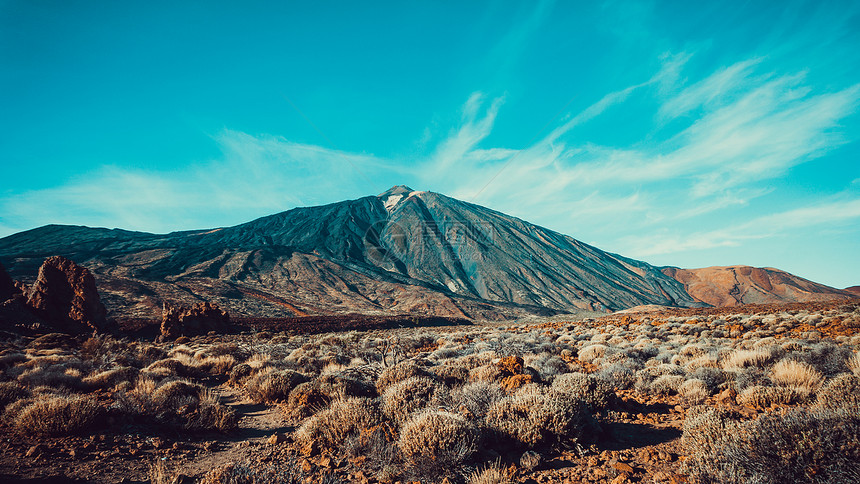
(256, 176)
(825, 214)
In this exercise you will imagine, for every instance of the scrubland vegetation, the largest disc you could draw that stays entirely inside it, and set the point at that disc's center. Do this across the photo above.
(763, 398)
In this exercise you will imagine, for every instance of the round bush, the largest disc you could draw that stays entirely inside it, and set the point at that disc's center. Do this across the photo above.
(273, 386)
(399, 372)
(594, 392)
(439, 435)
(329, 428)
(534, 417)
(404, 397)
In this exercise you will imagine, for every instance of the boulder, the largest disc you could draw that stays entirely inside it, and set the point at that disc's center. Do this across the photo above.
(200, 318)
(65, 295)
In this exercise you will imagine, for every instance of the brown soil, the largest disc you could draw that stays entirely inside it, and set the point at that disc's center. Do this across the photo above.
(641, 441)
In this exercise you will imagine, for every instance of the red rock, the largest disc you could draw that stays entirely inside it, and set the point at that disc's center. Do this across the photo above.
(727, 396)
(276, 439)
(65, 295)
(200, 318)
(622, 467)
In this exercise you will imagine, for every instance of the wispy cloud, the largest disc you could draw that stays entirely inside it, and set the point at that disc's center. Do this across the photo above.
(743, 125)
(830, 214)
(255, 176)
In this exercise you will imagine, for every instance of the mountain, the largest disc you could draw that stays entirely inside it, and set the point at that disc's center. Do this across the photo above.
(735, 285)
(853, 290)
(401, 251)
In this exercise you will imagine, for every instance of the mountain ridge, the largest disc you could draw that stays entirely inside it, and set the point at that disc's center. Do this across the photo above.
(399, 251)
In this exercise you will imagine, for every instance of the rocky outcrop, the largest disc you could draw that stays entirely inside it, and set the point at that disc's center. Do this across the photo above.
(736, 285)
(65, 296)
(200, 318)
(7, 286)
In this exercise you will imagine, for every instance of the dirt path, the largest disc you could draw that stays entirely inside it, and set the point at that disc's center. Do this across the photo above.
(257, 423)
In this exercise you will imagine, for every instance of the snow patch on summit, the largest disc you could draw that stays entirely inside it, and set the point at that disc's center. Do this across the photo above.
(392, 202)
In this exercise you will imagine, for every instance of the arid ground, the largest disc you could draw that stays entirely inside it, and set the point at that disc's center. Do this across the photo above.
(736, 394)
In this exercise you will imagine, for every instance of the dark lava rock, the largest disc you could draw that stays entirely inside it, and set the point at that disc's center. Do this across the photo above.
(7, 287)
(200, 318)
(65, 295)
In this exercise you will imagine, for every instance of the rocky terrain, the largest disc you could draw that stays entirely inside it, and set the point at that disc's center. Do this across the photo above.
(400, 252)
(665, 396)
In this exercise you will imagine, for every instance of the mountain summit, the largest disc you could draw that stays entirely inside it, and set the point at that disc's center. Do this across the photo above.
(402, 251)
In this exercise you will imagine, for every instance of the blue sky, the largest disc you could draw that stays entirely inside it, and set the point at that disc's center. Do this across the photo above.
(673, 132)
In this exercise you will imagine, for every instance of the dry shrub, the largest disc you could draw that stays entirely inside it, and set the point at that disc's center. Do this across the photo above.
(452, 373)
(55, 376)
(272, 386)
(798, 375)
(854, 364)
(174, 394)
(177, 403)
(694, 391)
(342, 385)
(485, 373)
(248, 473)
(764, 396)
(306, 399)
(797, 445)
(170, 367)
(840, 392)
(739, 359)
(216, 365)
(11, 359)
(11, 392)
(407, 396)
(534, 417)
(330, 428)
(594, 392)
(476, 398)
(592, 352)
(56, 415)
(111, 378)
(435, 440)
(492, 474)
(666, 384)
(240, 373)
(399, 372)
(53, 341)
(210, 414)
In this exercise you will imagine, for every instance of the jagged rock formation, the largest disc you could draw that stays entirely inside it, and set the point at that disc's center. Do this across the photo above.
(736, 285)
(200, 318)
(7, 285)
(65, 295)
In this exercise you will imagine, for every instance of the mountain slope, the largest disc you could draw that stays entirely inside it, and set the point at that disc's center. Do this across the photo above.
(735, 285)
(401, 251)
